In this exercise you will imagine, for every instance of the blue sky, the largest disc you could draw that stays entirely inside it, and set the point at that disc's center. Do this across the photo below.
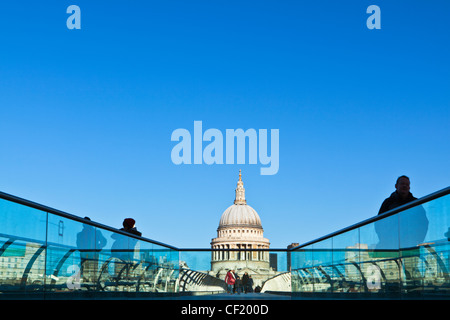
(86, 115)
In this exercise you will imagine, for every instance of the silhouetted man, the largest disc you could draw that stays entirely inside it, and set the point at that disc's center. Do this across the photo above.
(412, 223)
(399, 197)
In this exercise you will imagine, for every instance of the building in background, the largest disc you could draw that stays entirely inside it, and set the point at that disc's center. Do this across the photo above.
(240, 228)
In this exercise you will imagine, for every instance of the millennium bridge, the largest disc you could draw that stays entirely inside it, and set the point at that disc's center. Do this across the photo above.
(48, 254)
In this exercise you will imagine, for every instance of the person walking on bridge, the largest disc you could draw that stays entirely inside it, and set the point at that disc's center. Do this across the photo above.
(230, 279)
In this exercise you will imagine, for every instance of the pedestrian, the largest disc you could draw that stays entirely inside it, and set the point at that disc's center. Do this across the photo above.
(129, 226)
(405, 230)
(124, 247)
(230, 279)
(245, 281)
(250, 284)
(238, 285)
(399, 197)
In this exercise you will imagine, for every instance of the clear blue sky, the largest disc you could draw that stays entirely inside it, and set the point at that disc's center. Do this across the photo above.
(86, 115)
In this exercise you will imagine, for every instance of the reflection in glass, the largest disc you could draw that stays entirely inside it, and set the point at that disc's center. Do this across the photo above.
(346, 262)
(22, 248)
(399, 255)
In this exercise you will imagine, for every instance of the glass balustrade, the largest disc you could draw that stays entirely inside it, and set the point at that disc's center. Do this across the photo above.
(43, 254)
(400, 255)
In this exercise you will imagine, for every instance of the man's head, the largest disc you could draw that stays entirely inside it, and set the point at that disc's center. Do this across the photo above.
(402, 186)
(128, 223)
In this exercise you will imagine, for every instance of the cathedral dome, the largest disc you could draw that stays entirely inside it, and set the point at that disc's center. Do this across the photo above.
(240, 213)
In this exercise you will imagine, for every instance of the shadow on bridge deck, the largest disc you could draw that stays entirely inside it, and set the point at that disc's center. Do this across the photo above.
(242, 296)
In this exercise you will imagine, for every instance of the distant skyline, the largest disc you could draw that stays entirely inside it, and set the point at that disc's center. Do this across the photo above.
(87, 115)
